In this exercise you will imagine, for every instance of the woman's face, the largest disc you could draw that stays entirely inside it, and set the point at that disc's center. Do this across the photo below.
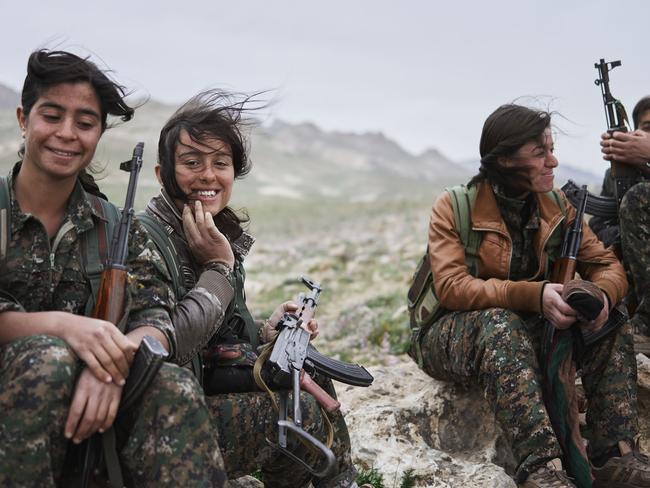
(537, 159)
(204, 171)
(62, 130)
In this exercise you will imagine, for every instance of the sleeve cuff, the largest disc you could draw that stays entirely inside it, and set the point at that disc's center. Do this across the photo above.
(525, 296)
(217, 284)
(157, 318)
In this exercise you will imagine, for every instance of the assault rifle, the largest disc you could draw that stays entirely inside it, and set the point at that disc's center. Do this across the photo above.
(291, 360)
(564, 269)
(110, 306)
(624, 175)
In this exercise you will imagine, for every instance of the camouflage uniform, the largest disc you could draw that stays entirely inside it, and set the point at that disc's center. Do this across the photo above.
(499, 351)
(167, 437)
(607, 229)
(634, 219)
(245, 420)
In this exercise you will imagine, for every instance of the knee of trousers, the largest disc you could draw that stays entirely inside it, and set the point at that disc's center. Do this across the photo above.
(174, 387)
(635, 203)
(313, 420)
(39, 367)
(504, 330)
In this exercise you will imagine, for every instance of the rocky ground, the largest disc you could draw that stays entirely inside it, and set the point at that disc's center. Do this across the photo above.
(364, 257)
(445, 434)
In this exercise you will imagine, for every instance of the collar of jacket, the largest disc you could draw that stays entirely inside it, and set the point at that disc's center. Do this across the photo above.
(79, 210)
(486, 215)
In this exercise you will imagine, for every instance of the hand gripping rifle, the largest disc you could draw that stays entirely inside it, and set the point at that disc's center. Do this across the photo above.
(291, 359)
(110, 305)
(564, 268)
(624, 175)
(558, 364)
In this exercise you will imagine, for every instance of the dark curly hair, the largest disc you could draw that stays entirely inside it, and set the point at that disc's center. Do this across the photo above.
(46, 69)
(210, 114)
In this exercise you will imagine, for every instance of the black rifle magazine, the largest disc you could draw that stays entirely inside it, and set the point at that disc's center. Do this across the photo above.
(615, 320)
(147, 362)
(351, 374)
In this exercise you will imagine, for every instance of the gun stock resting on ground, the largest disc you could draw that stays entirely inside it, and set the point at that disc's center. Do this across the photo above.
(110, 306)
(291, 360)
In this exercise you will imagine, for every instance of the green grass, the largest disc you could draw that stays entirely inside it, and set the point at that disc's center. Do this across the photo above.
(372, 476)
(391, 323)
(408, 479)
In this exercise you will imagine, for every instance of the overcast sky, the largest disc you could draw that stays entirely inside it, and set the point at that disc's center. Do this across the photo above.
(426, 73)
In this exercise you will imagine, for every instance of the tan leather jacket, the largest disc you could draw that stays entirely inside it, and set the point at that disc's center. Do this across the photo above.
(456, 289)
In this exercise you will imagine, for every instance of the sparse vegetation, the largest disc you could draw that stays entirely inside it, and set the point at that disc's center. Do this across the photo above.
(372, 476)
(408, 479)
(258, 475)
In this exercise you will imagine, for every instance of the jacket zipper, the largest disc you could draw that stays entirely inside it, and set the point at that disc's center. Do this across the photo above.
(547, 238)
(67, 226)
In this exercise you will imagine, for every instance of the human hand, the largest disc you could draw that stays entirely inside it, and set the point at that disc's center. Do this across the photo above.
(268, 329)
(100, 344)
(206, 242)
(555, 309)
(626, 147)
(93, 408)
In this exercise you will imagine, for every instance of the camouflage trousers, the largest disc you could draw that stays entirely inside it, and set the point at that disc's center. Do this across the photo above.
(634, 218)
(169, 442)
(499, 351)
(245, 421)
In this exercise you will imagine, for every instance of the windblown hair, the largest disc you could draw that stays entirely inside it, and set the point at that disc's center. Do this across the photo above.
(506, 130)
(212, 114)
(46, 69)
(641, 106)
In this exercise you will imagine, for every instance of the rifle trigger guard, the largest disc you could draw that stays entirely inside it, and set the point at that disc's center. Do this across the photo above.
(327, 453)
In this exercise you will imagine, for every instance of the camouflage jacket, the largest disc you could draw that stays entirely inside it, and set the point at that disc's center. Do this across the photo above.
(211, 309)
(38, 275)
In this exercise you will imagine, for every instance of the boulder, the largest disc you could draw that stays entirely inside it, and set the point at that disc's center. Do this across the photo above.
(445, 433)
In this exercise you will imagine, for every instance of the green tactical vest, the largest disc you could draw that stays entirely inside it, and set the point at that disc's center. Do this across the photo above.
(237, 310)
(423, 305)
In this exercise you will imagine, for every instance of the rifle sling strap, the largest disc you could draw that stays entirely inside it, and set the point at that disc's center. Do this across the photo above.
(95, 247)
(162, 239)
(95, 253)
(5, 215)
(109, 445)
(257, 376)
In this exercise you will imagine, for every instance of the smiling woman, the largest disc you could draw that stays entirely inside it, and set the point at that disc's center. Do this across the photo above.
(491, 257)
(70, 366)
(61, 133)
(201, 152)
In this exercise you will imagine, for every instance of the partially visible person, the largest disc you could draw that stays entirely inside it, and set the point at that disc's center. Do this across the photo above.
(623, 147)
(495, 304)
(62, 372)
(632, 227)
(201, 151)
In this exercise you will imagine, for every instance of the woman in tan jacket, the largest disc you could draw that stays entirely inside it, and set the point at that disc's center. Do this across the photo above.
(497, 298)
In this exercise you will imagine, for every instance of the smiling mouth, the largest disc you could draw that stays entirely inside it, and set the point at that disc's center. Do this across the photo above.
(65, 154)
(206, 193)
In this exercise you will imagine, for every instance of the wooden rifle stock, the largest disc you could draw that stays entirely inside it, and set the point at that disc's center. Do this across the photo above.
(322, 397)
(564, 270)
(110, 298)
(110, 301)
